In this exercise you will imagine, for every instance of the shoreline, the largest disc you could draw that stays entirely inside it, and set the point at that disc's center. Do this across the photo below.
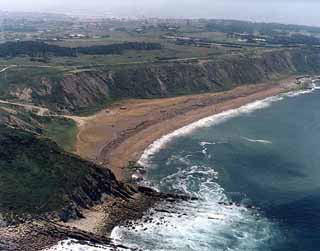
(116, 136)
(123, 133)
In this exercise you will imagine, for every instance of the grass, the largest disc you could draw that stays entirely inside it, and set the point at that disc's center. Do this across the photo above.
(101, 104)
(170, 50)
(35, 174)
(63, 132)
(27, 76)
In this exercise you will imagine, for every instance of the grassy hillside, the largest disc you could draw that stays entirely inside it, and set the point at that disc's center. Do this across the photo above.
(88, 89)
(38, 177)
(85, 90)
(61, 130)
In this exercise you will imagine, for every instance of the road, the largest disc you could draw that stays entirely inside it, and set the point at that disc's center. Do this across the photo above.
(7, 68)
(80, 68)
(41, 111)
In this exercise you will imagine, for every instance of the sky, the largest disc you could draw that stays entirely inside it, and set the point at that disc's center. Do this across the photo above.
(285, 11)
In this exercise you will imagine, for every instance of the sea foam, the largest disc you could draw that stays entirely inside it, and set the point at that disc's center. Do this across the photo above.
(219, 118)
(208, 222)
(312, 88)
(262, 141)
(72, 245)
(197, 225)
(205, 122)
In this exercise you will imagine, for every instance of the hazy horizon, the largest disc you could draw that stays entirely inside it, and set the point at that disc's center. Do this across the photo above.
(283, 11)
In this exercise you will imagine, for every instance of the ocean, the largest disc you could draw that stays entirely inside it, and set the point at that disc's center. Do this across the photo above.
(256, 170)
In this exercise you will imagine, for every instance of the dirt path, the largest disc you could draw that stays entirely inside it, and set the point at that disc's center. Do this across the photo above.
(7, 68)
(115, 136)
(4, 69)
(119, 134)
(41, 111)
(74, 68)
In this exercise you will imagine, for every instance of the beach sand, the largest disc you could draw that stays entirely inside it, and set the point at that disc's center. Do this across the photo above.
(120, 133)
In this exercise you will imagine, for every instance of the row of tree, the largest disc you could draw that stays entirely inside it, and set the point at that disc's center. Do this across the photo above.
(294, 40)
(41, 49)
(266, 29)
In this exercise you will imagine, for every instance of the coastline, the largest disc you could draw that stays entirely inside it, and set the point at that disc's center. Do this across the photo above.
(116, 136)
(135, 125)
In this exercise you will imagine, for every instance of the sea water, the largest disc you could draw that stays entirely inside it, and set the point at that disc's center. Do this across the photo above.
(256, 172)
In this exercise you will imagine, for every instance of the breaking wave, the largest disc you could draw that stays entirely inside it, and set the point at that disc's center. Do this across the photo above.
(206, 122)
(219, 118)
(72, 245)
(262, 141)
(312, 88)
(212, 223)
(198, 225)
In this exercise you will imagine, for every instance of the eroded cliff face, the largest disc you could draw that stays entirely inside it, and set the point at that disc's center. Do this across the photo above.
(87, 89)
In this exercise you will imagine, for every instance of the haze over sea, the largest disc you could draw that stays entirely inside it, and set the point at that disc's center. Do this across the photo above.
(256, 170)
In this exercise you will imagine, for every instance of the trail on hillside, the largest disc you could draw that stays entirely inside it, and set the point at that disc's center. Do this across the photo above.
(42, 111)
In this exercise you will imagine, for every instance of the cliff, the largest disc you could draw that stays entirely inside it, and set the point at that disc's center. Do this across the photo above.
(39, 178)
(76, 92)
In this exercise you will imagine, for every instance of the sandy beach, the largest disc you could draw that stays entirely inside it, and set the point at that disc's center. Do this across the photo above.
(119, 134)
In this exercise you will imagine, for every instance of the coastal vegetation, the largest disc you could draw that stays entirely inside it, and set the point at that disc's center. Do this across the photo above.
(62, 131)
(45, 80)
(89, 89)
(38, 177)
(41, 49)
(269, 29)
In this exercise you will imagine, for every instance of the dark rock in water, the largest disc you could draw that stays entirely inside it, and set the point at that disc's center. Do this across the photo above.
(247, 203)
(168, 197)
(163, 211)
(147, 190)
(142, 171)
(136, 177)
(72, 184)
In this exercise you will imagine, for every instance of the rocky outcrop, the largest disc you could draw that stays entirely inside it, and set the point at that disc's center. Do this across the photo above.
(97, 184)
(86, 89)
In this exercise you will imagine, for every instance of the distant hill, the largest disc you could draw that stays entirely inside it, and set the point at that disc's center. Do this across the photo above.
(33, 15)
